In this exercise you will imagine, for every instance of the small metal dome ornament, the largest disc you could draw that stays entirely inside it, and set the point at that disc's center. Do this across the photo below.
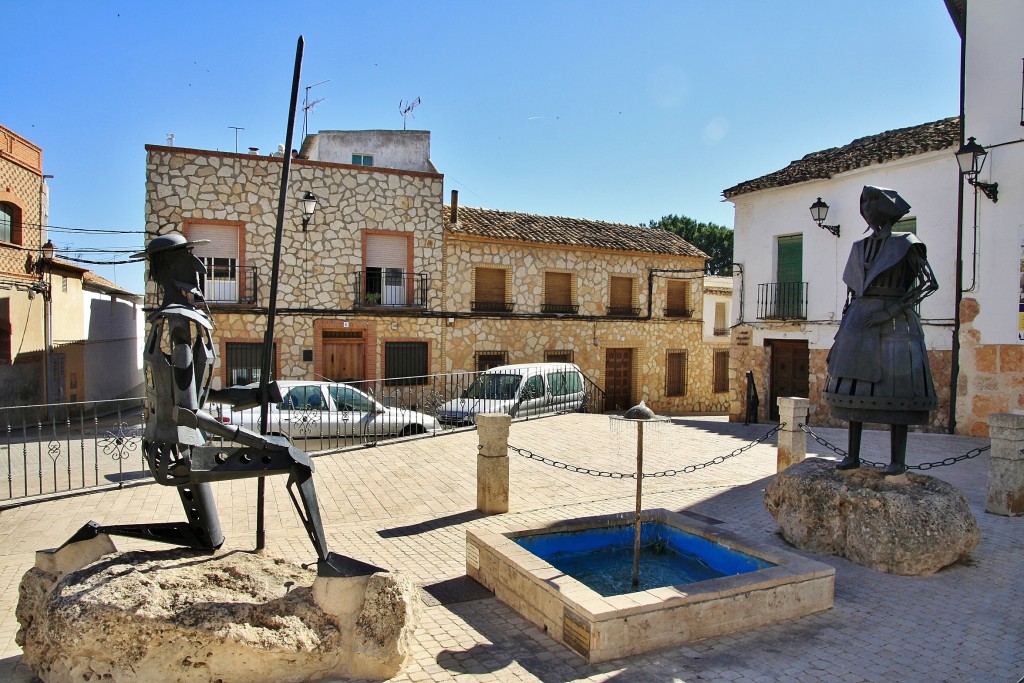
(639, 412)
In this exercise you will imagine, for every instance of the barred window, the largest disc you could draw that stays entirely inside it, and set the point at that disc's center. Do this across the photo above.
(558, 356)
(675, 373)
(485, 360)
(243, 361)
(405, 363)
(721, 372)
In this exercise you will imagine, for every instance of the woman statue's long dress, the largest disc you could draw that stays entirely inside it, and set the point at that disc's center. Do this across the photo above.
(878, 366)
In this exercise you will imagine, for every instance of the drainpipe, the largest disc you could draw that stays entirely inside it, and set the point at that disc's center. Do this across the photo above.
(954, 370)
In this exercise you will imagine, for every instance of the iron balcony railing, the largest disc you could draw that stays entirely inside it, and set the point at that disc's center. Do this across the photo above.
(628, 311)
(391, 288)
(570, 309)
(224, 286)
(675, 312)
(63, 447)
(492, 306)
(782, 301)
(721, 331)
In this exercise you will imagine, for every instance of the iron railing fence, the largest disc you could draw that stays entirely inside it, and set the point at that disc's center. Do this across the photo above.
(55, 448)
(391, 288)
(65, 447)
(782, 301)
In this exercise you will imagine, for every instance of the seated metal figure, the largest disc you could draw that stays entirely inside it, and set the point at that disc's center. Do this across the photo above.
(178, 361)
(878, 368)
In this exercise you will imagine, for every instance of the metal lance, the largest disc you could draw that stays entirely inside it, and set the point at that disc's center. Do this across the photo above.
(268, 338)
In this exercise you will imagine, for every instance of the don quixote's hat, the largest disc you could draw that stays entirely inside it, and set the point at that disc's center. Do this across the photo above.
(169, 242)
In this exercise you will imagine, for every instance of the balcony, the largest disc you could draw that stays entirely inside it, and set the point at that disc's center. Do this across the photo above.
(626, 311)
(721, 332)
(677, 312)
(782, 301)
(492, 306)
(227, 285)
(563, 309)
(390, 288)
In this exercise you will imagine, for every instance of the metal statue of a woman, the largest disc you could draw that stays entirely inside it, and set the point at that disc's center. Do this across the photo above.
(878, 367)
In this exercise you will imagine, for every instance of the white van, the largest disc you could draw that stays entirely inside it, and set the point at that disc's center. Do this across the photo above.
(522, 390)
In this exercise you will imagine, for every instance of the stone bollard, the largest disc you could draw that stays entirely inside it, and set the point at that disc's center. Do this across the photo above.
(792, 440)
(1006, 464)
(492, 463)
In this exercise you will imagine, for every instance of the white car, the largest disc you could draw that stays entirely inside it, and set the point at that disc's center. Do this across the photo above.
(523, 390)
(332, 413)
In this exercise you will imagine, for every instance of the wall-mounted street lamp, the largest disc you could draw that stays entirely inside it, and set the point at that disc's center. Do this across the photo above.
(819, 210)
(309, 201)
(971, 158)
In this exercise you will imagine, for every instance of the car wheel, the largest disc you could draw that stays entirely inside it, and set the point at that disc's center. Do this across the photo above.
(412, 429)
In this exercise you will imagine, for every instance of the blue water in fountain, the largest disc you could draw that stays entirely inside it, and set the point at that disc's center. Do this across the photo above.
(602, 558)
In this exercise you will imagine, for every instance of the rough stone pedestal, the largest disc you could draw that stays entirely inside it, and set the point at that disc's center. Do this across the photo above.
(912, 525)
(1006, 465)
(492, 463)
(189, 617)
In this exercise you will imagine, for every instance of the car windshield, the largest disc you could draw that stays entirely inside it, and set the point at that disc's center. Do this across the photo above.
(349, 399)
(308, 397)
(494, 386)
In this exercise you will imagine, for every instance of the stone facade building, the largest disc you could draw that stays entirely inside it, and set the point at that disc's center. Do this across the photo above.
(790, 295)
(386, 282)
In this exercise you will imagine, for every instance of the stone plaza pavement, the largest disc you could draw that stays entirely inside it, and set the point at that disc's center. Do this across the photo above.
(406, 506)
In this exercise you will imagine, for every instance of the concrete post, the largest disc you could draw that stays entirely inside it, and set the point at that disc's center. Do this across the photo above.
(492, 463)
(1006, 465)
(792, 440)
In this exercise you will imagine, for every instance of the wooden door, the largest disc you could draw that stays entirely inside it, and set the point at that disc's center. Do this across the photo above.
(343, 356)
(790, 363)
(618, 382)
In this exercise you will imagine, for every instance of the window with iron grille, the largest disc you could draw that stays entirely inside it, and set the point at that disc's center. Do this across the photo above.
(721, 372)
(675, 373)
(490, 293)
(243, 361)
(558, 356)
(677, 303)
(485, 360)
(406, 363)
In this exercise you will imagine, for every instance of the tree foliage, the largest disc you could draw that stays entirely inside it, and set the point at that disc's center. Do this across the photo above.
(714, 240)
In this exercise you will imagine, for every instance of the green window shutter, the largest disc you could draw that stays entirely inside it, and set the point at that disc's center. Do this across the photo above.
(906, 225)
(791, 259)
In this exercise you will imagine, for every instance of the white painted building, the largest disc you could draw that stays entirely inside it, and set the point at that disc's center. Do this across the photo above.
(788, 296)
(991, 353)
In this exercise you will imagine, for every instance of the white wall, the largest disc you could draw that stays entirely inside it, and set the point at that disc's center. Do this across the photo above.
(927, 181)
(995, 49)
(403, 149)
(113, 334)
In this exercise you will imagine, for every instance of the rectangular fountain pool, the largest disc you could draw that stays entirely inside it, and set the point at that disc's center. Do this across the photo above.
(602, 558)
(735, 584)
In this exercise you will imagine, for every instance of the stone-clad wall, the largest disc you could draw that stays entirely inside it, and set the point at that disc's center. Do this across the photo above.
(991, 376)
(318, 266)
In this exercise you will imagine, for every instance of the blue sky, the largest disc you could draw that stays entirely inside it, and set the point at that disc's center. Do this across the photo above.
(618, 111)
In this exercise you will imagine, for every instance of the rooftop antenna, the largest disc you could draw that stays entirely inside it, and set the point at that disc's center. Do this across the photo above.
(170, 139)
(405, 109)
(307, 107)
(237, 128)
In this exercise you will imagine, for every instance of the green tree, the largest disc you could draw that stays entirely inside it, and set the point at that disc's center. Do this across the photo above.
(714, 240)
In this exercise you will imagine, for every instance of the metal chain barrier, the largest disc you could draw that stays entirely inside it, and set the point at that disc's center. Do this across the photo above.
(973, 453)
(632, 475)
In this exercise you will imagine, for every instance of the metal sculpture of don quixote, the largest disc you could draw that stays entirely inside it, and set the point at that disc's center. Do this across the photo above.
(878, 368)
(178, 362)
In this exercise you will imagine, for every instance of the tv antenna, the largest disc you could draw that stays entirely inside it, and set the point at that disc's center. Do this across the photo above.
(170, 139)
(405, 109)
(307, 107)
(237, 128)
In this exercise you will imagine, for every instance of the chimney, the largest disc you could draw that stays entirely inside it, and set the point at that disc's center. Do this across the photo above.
(254, 150)
(455, 207)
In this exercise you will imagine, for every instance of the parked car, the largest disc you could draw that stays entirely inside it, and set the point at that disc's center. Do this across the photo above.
(331, 413)
(523, 390)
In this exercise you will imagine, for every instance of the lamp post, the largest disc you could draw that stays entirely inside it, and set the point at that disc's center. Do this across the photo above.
(43, 266)
(971, 158)
(819, 210)
(309, 201)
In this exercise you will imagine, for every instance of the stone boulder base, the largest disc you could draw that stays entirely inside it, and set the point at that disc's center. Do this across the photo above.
(912, 524)
(176, 615)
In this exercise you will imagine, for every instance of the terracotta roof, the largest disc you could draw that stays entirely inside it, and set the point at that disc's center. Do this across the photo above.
(569, 232)
(873, 149)
(718, 283)
(91, 279)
